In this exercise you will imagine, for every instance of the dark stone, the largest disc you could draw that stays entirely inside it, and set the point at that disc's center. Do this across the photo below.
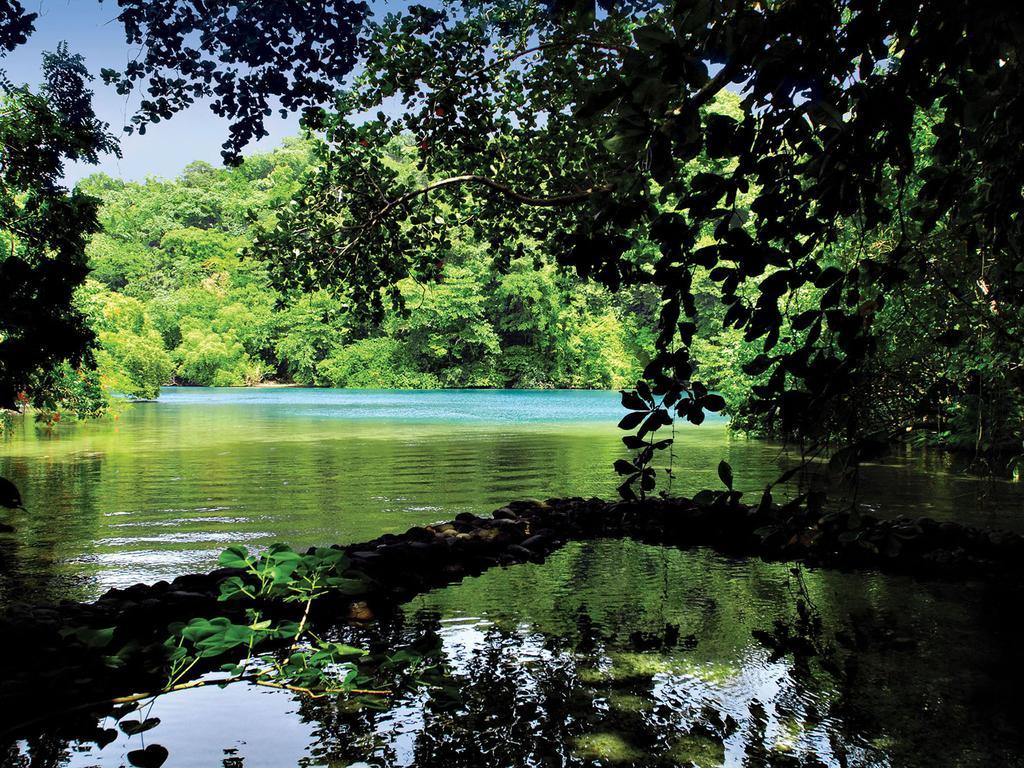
(416, 533)
(192, 582)
(363, 558)
(182, 596)
(537, 542)
(508, 525)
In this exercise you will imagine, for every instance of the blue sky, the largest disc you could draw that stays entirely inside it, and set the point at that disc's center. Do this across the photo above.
(91, 29)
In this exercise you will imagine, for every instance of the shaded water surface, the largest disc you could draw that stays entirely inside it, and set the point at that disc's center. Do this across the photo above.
(163, 488)
(611, 653)
(614, 653)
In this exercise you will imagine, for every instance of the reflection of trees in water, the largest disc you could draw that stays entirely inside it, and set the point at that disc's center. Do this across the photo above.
(62, 510)
(614, 651)
(526, 699)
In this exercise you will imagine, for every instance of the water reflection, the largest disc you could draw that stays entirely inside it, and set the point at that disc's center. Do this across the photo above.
(159, 491)
(617, 653)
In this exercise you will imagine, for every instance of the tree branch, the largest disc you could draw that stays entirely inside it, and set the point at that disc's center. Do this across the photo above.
(553, 201)
(710, 89)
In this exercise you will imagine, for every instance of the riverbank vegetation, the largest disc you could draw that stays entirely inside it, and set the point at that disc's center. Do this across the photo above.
(461, 245)
(176, 295)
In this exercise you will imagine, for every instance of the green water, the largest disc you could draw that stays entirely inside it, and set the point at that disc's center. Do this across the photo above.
(162, 489)
(611, 653)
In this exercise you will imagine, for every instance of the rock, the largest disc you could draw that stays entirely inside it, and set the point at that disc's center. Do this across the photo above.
(182, 596)
(486, 534)
(527, 505)
(362, 558)
(418, 534)
(537, 542)
(426, 552)
(509, 526)
(360, 611)
(192, 582)
(504, 513)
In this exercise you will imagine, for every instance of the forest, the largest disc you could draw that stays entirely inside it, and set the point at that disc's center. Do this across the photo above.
(574, 384)
(176, 294)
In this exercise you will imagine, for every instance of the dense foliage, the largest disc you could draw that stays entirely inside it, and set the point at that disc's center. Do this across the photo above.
(864, 206)
(174, 295)
(44, 229)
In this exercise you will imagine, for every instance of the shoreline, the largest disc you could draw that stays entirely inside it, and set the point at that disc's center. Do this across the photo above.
(396, 567)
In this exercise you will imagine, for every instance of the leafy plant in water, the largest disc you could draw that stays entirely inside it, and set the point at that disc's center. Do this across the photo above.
(313, 665)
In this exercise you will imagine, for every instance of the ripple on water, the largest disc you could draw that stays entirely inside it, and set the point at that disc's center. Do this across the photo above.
(617, 653)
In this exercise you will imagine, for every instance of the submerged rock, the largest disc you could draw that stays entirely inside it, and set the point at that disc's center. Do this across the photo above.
(607, 747)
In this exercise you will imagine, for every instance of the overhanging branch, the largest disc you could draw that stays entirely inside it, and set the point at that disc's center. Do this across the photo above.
(552, 201)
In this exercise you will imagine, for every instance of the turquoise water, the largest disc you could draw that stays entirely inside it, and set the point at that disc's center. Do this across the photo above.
(448, 406)
(161, 489)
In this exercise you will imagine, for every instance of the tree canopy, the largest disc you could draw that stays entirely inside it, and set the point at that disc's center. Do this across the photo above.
(176, 294)
(872, 153)
(846, 174)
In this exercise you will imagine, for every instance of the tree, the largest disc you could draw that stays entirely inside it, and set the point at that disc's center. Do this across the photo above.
(583, 130)
(43, 227)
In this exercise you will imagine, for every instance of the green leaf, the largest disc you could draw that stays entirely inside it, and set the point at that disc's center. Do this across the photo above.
(233, 586)
(234, 557)
(633, 401)
(624, 467)
(632, 420)
(827, 277)
(90, 637)
(132, 727)
(714, 403)
(725, 474)
(757, 366)
(340, 650)
(705, 498)
(152, 756)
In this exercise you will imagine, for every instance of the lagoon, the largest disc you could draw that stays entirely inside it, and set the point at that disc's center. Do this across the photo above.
(610, 653)
(161, 489)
